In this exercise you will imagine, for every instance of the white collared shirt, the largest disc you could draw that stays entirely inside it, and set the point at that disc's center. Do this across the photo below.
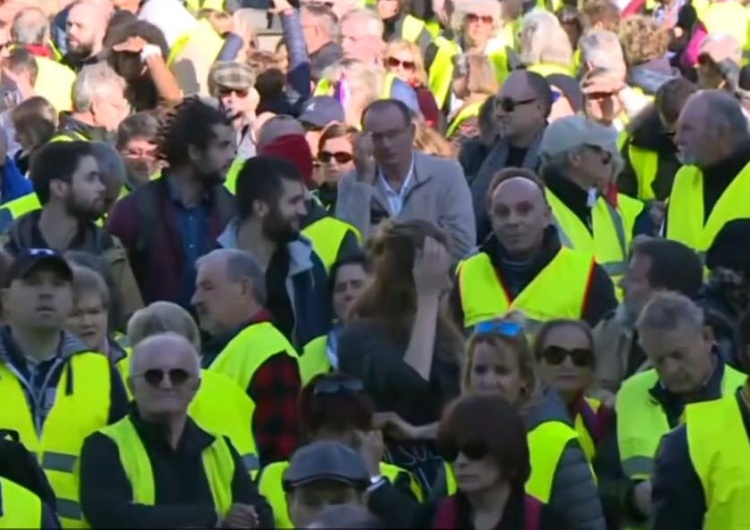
(396, 198)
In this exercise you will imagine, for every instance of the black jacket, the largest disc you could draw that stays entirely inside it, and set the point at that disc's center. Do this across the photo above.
(600, 298)
(182, 495)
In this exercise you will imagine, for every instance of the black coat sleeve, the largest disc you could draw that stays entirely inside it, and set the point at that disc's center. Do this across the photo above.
(118, 397)
(245, 491)
(49, 519)
(676, 492)
(349, 246)
(394, 504)
(627, 181)
(601, 297)
(106, 495)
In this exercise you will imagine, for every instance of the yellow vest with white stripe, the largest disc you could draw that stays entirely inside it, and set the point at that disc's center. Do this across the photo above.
(641, 421)
(612, 230)
(645, 164)
(19, 507)
(469, 111)
(218, 465)
(440, 76)
(545, 298)
(326, 87)
(547, 441)
(685, 214)
(721, 461)
(327, 234)
(270, 485)
(81, 408)
(412, 28)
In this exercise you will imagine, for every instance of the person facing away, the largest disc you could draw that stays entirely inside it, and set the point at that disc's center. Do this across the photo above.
(156, 467)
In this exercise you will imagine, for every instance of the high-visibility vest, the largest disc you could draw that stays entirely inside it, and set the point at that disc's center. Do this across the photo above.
(54, 82)
(12, 210)
(641, 421)
(230, 182)
(217, 463)
(327, 234)
(81, 407)
(585, 436)
(729, 17)
(19, 507)
(498, 57)
(270, 485)
(645, 164)
(440, 76)
(196, 5)
(219, 407)
(612, 230)
(469, 111)
(547, 69)
(685, 214)
(70, 136)
(720, 452)
(483, 297)
(547, 442)
(314, 359)
(326, 87)
(412, 28)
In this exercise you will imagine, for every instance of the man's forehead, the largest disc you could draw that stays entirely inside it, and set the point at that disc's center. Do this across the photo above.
(517, 83)
(516, 190)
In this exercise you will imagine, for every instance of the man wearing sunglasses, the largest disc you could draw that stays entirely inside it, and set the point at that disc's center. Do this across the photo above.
(233, 84)
(55, 391)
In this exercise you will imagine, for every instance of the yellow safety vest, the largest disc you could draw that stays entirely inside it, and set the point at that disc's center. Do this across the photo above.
(685, 213)
(217, 463)
(20, 508)
(412, 28)
(230, 182)
(70, 136)
(326, 87)
(584, 436)
(314, 359)
(22, 205)
(727, 17)
(547, 69)
(466, 113)
(327, 234)
(720, 453)
(440, 76)
(645, 164)
(641, 421)
(547, 441)
(499, 59)
(75, 415)
(483, 297)
(196, 5)
(270, 485)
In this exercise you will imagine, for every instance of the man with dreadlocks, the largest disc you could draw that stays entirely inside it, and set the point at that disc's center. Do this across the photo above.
(170, 222)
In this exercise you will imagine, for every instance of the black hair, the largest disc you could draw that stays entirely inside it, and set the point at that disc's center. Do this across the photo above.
(56, 161)
(674, 266)
(139, 125)
(382, 104)
(261, 179)
(355, 258)
(543, 90)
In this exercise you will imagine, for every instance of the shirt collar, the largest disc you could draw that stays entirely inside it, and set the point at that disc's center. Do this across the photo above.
(404, 186)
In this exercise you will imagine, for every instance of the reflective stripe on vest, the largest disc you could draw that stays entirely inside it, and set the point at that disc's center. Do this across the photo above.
(19, 507)
(327, 234)
(645, 164)
(75, 415)
(218, 465)
(641, 421)
(484, 298)
(608, 243)
(412, 28)
(466, 113)
(685, 213)
(722, 462)
(440, 76)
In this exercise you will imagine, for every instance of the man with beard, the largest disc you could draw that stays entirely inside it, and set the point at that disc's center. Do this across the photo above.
(85, 30)
(170, 222)
(270, 202)
(68, 183)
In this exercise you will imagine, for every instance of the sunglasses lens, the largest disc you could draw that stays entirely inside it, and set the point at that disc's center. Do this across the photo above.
(581, 357)
(343, 158)
(474, 451)
(393, 62)
(178, 376)
(325, 157)
(554, 355)
(153, 377)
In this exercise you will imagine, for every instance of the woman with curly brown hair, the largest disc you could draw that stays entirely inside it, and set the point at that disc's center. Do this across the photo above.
(400, 344)
(645, 43)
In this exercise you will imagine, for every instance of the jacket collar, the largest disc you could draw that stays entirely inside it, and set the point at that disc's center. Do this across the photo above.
(194, 440)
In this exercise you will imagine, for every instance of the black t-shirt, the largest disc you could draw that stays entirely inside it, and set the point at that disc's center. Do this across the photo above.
(278, 302)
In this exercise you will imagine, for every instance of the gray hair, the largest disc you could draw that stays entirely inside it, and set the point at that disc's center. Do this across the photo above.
(30, 26)
(371, 25)
(140, 348)
(543, 40)
(162, 317)
(240, 265)
(92, 81)
(726, 110)
(602, 49)
(111, 165)
(325, 18)
(668, 311)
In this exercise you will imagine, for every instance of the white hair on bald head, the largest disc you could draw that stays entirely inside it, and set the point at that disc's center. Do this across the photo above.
(141, 349)
(602, 49)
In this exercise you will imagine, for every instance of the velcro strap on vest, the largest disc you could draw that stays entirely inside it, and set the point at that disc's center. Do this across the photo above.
(251, 461)
(58, 462)
(69, 509)
(638, 467)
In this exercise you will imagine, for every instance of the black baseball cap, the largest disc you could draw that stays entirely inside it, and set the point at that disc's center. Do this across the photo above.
(31, 259)
(326, 460)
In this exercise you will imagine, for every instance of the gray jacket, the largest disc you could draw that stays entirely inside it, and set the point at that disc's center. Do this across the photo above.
(437, 192)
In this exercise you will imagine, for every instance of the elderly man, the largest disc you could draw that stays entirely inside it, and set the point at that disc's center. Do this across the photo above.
(320, 28)
(233, 84)
(713, 139)
(579, 159)
(157, 467)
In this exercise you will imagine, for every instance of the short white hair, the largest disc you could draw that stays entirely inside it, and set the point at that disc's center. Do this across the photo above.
(543, 40)
(602, 49)
(492, 8)
(372, 26)
(30, 26)
(92, 81)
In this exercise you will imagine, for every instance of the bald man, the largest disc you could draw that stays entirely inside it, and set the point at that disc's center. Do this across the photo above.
(85, 30)
(198, 479)
(711, 188)
(523, 265)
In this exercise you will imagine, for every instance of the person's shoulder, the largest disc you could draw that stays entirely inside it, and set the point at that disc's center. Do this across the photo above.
(442, 169)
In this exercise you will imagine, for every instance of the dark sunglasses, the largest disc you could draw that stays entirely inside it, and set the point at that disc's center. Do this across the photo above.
(606, 155)
(471, 450)
(555, 355)
(510, 104)
(240, 93)
(473, 17)
(177, 376)
(337, 386)
(506, 328)
(340, 157)
(392, 62)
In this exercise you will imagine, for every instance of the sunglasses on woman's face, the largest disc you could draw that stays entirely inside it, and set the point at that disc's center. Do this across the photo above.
(555, 355)
(392, 62)
(340, 157)
(472, 18)
(471, 450)
(177, 376)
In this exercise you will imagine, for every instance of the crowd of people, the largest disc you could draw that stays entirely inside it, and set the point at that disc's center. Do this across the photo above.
(476, 264)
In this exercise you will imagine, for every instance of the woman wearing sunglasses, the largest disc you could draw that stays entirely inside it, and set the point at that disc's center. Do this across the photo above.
(499, 361)
(473, 83)
(334, 407)
(491, 463)
(404, 60)
(335, 159)
(564, 351)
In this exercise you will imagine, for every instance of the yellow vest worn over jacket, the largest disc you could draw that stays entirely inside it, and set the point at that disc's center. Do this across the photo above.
(440, 76)
(547, 69)
(612, 230)
(314, 359)
(466, 113)
(270, 485)
(19, 507)
(585, 437)
(217, 463)
(720, 453)
(645, 164)
(483, 296)
(685, 213)
(412, 28)
(81, 408)
(70, 136)
(327, 234)
(22, 205)
(54, 82)
(641, 421)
